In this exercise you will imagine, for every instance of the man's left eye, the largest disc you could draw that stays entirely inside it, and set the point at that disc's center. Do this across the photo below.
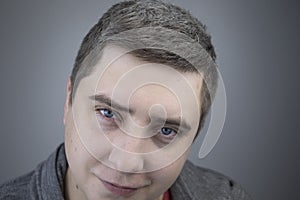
(167, 131)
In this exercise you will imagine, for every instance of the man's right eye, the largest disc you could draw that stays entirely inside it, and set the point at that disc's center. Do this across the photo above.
(106, 117)
(106, 113)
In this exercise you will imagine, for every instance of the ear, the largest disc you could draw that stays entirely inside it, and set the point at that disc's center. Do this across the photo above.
(67, 102)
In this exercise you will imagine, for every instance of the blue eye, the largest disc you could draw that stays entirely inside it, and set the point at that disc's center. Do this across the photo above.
(107, 113)
(166, 131)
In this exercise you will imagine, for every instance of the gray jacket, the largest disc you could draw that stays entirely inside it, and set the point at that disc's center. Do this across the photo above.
(47, 182)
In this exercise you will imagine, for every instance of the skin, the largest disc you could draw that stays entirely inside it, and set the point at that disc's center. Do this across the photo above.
(107, 146)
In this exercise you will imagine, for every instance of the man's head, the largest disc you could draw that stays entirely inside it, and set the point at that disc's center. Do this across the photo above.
(137, 94)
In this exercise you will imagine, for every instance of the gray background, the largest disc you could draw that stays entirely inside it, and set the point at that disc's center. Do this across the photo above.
(258, 49)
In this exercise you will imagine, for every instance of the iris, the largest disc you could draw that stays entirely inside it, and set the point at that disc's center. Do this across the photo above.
(107, 113)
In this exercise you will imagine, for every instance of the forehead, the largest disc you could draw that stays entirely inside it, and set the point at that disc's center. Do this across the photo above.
(116, 64)
(125, 78)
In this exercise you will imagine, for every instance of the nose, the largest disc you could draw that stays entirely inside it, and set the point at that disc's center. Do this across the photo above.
(125, 161)
(126, 154)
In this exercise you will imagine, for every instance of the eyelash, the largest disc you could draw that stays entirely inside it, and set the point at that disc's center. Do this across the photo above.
(112, 123)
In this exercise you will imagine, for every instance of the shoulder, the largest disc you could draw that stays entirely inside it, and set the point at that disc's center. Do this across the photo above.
(202, 183)
(17, 188)
(44, 182)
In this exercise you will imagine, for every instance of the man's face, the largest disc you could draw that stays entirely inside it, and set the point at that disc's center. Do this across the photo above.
(129, 128)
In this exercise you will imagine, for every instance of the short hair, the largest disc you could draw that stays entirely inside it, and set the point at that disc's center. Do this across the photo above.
(135, 14)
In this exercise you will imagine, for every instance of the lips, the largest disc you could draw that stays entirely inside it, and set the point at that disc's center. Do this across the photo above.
(119, 189)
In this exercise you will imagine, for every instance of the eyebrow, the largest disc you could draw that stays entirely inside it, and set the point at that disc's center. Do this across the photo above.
(108, 101)
(178, 122)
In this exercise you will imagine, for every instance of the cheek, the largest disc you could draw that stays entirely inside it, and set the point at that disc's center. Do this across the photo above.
(79, 160)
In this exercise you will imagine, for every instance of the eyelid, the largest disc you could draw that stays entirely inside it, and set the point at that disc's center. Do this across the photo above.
(166, 139)
(102, 111)
(173, 129)
(102, 107)
(176, 129)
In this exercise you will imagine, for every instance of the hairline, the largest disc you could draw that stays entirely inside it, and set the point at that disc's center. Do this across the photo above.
(88, 70)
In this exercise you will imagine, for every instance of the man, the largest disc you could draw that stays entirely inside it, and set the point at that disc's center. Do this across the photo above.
(140, 89)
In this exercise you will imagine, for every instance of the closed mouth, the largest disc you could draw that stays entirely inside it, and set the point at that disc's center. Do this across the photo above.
(117, 189)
